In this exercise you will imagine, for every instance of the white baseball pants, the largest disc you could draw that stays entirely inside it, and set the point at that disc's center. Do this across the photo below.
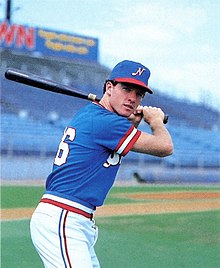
(63, 238)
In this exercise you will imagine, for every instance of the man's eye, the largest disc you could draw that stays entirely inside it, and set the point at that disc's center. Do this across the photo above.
(140, 95)
(127, 89)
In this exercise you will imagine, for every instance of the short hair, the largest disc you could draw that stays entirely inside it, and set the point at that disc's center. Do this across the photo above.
(112, 81)
(115, 83)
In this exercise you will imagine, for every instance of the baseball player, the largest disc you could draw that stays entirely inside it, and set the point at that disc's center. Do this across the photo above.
(62, 227)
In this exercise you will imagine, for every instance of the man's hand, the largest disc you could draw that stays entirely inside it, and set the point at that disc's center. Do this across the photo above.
(136, 117)
(152, 115)
(159, 142)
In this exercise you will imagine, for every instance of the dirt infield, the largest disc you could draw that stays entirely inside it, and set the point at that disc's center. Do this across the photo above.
(145, 203)
(176, 195)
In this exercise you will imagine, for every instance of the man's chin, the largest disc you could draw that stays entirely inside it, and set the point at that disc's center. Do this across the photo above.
(126, 114)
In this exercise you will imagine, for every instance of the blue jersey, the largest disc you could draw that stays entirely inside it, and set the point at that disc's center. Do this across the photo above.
(89, 155)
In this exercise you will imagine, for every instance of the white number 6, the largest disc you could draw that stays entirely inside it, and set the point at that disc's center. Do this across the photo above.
(63, 150)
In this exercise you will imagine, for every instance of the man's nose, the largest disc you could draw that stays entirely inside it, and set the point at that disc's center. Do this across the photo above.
(132, 95)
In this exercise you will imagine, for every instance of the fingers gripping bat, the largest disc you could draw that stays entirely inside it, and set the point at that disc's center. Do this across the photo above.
(50, 85)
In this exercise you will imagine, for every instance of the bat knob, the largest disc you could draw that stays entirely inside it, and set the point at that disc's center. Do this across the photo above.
(165, 120)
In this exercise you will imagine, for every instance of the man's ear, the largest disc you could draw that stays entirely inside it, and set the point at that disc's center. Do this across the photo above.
(109, 87)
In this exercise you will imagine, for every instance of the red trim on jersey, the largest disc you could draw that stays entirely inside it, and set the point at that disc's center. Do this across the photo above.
(67, 207)
(124, 138)
(131, 143)
(99, 104)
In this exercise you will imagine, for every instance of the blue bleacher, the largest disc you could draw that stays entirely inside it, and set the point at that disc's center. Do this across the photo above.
(193, 147)
(26, 135)
(195, 128)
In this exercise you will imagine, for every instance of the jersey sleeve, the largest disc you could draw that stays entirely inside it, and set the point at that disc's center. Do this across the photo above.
(115, 133)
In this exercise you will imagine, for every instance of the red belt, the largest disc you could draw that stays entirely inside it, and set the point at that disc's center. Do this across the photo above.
(67, 207)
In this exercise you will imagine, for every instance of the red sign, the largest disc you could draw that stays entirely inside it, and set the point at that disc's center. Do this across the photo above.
(17, 35)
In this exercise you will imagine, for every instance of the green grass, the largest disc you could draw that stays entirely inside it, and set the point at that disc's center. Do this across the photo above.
(113, 199)
(169, 240)
(20, 196)
(164, 241)
(16, 246)
(29, 196)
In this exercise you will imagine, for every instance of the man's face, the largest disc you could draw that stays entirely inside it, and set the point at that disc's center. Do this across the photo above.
(125, 98)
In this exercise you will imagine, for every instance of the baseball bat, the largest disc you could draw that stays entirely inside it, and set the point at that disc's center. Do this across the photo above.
(46, 84)
(49, 85)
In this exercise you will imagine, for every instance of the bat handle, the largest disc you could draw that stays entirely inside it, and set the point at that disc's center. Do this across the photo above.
(165, 120)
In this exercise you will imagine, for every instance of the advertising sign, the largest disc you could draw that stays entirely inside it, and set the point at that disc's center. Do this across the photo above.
(48, 42)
